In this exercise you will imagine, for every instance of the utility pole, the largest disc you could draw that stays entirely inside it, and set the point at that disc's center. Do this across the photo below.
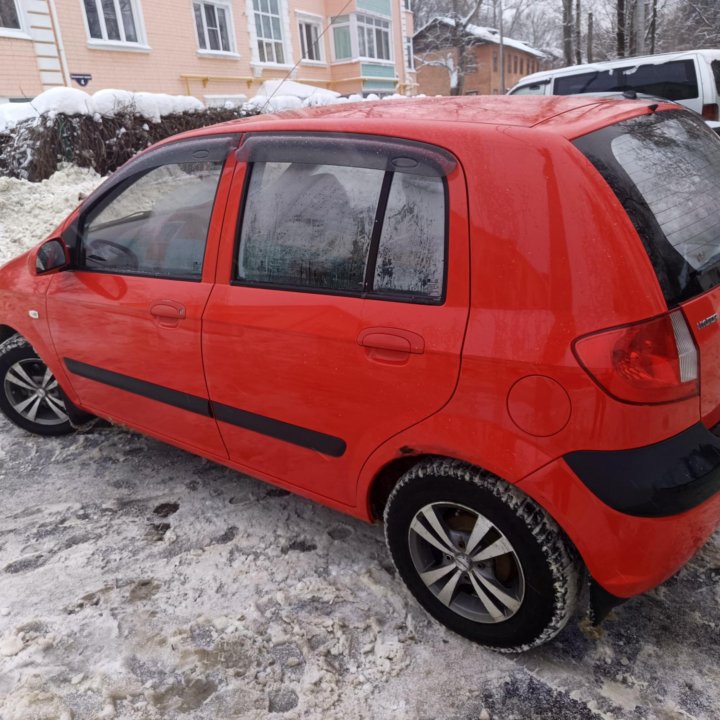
(639, 26)
(590, 38)
(502, 52)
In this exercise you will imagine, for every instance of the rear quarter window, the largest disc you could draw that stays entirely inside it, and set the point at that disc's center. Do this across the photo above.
(665, 170)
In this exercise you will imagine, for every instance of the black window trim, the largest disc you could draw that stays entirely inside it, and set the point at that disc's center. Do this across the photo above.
(208, 148)
(446, 164)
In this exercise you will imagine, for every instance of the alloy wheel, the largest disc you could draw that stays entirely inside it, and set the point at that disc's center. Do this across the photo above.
(33, 392)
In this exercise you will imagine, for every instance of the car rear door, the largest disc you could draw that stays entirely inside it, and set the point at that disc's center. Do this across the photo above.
(341, 303)
(126, 319)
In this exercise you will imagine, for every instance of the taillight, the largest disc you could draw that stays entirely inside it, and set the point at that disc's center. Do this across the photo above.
(650, 362)
(710, 112)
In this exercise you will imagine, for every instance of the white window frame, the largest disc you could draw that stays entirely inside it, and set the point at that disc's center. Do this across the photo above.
(304, 18)
(283, 18)
(207, 50)
(374, 18)
(122, 44)
(353, 25)
(23, 31)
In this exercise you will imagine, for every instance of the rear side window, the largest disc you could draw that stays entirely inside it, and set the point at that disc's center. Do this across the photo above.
(665, 170)
(675, 80)
(368, 221)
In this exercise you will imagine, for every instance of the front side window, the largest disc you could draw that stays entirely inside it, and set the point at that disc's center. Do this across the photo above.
(113, 20)
(373, 37)
(212, 23)
(268, 28)
(344, 229)
(9, 15)
(157, 225)
(310, 40)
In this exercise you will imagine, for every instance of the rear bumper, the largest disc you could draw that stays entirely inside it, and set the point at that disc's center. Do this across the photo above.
(636, 516)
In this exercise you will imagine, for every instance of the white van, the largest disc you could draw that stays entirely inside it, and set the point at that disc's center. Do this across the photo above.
(691, 78)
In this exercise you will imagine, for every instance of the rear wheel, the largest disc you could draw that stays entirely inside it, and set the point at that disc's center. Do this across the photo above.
(480, 556)
(29, 393)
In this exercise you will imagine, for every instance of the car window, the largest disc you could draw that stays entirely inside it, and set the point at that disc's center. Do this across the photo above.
(412, 242)
(308, 225)
(675, 80)
(534, 89)
(335, 228)
(665, 170)
(155, 225)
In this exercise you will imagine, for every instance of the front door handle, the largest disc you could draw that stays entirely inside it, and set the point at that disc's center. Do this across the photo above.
(167, 313)
(391, 345)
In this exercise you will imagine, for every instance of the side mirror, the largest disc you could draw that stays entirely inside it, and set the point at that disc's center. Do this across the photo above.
(52, 256)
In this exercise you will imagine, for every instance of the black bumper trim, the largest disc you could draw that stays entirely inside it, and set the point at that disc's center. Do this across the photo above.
(658, 480)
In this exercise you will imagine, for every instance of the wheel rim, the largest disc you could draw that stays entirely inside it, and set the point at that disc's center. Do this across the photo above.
(33, 392)
(466, 562)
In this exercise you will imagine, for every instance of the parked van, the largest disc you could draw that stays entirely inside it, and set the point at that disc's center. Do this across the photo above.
(690, 78)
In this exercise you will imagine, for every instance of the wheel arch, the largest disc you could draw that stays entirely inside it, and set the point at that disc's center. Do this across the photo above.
(6, 332)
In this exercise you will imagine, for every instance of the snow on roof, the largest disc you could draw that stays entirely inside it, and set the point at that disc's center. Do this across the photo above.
(486, 34)
(294, 89)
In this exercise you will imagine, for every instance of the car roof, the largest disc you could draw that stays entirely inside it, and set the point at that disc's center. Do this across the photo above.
(571, 116)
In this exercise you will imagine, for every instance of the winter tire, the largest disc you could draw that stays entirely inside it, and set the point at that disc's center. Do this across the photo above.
(29, 394)
(480, 556)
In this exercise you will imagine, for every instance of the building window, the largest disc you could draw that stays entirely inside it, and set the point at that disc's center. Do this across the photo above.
(342, 45)
(269, 32)
(409, 55)
(407, 4)
(310, 40)
(214, 29)
(9, 15)
(495, 62)
(373, 37)
(114, 20)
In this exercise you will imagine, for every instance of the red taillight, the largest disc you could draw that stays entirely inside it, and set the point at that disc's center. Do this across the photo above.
(710, 112)
(654, 361)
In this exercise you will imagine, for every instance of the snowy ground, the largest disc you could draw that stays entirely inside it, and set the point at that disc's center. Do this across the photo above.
(140, 582)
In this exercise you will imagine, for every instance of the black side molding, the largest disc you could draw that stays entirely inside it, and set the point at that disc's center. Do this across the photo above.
(667, 478)
(294, 434)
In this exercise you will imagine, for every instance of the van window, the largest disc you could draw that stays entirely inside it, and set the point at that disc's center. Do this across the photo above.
(675, 80)
(665, 170)
(534, 89)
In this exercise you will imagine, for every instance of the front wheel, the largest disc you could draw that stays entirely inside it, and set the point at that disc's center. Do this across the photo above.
(29, 393)
(480, 556)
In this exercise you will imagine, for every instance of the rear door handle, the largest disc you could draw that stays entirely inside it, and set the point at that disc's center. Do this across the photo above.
(168, 313)
(391, 345)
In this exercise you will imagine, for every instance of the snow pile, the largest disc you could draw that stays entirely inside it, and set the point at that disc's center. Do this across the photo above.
(30, 211)
(294, 89)
(106, 103)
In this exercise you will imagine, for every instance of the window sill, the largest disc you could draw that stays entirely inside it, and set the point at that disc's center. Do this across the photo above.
(222, 54)
(272, 66)
(375, 61)
(314, 63)
(117, 46)
(346, 61)
(14, 33)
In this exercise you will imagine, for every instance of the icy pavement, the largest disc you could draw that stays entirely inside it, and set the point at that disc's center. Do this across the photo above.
(140, 582)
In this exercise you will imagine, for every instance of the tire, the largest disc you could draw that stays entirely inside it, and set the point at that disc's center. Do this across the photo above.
(29, 394)
(497, 569)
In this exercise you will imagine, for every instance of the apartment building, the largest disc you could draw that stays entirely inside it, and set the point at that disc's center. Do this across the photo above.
(211, 49)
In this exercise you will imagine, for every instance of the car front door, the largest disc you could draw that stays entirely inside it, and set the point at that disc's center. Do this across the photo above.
(126, 319)
(340, 308)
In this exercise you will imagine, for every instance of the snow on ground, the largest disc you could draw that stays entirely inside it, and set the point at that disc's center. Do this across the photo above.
(30, 211)
(143, 583)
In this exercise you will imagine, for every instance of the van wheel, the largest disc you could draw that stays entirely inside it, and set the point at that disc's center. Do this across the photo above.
(480, 556)
(29, 394)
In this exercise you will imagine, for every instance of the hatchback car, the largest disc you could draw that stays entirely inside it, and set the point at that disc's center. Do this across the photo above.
(490, 321)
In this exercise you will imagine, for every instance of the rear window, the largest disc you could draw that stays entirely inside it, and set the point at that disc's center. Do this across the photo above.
(674, 80)
(665, 170)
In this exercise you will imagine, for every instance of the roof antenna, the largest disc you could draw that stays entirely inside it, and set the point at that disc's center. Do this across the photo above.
(652, 108)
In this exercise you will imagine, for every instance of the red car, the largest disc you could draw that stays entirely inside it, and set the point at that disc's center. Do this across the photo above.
(492, 321)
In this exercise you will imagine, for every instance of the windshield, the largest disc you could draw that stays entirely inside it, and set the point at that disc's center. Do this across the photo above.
(665, 170)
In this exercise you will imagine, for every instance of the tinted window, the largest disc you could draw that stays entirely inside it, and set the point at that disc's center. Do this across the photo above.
(336, 228)
(157, 225)
(674, 80)
(665, 170)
